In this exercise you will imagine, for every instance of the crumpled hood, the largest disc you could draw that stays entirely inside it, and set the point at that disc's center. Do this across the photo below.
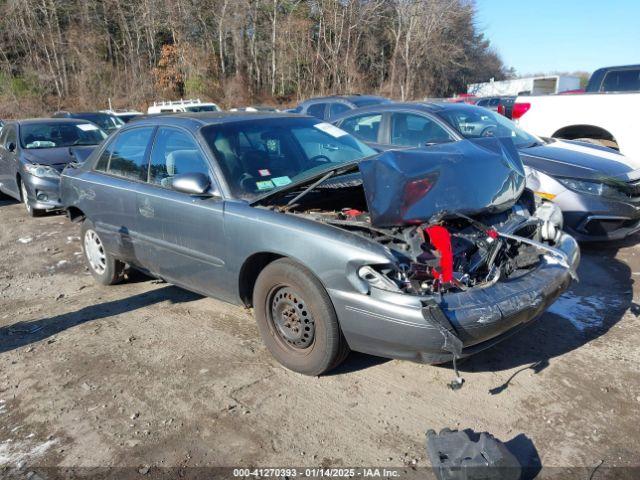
(466, 177)
(564, 158)
(58, 156)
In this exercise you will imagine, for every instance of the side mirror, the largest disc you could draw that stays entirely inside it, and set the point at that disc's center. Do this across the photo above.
(192, 183)
(11, 147)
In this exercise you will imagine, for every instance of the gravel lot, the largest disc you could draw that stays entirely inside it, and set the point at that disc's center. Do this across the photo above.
(145, 374)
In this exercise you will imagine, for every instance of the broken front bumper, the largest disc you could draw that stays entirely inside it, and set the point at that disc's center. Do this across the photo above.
(396, 325)
(42, 193)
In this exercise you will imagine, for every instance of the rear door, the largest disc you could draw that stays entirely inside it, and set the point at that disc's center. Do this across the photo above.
(123, 166)
(184, 233)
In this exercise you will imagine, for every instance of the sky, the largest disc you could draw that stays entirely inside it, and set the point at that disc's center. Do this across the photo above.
(543, 36)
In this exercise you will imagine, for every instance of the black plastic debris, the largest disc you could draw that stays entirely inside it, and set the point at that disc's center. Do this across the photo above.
(466, 455)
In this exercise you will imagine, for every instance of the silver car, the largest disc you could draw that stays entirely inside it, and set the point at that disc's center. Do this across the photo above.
(335, 247)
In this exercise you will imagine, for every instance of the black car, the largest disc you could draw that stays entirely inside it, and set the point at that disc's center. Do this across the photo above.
(34, 152)
(328, 107)
(107, 122)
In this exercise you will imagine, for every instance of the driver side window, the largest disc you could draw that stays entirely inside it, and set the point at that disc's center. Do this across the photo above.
(174, 152)
(365, 127)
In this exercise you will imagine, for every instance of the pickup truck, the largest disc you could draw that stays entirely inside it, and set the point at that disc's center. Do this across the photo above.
(602, 115)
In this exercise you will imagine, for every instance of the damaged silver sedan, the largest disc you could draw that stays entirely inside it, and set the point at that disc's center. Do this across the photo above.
(427, 255)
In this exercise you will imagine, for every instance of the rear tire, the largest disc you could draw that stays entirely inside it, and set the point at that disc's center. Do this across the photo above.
(106, 269)
(296, 319)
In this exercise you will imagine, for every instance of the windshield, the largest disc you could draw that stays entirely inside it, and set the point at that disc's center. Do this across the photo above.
(257, 156)
(475, 122)
(104, 121)
(56, 135)
(202, 108)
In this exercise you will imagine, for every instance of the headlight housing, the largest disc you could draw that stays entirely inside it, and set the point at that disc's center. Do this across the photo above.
(41, 171)
(593, 188)
(377, 279)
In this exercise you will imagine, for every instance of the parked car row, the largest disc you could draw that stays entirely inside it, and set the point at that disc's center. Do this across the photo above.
(336, 245)
(420, 231)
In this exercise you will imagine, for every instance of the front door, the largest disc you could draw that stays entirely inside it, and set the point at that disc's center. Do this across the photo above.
(185, 232)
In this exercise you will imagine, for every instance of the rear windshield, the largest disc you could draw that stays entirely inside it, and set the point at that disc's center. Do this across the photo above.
(365, 102)
(104, 121)
(201, 108)
(56, 135)
(622, 81)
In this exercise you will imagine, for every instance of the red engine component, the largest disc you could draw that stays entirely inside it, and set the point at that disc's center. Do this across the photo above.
(441, 240)
(351, 212)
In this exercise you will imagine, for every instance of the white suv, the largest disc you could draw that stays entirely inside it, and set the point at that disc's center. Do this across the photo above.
(183, 106)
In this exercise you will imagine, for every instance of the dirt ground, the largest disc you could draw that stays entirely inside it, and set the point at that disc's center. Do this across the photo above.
(147, 375)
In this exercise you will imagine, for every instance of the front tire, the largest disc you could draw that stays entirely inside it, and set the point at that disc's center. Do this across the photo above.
(296, 319)
(32, 212)
(106, 269)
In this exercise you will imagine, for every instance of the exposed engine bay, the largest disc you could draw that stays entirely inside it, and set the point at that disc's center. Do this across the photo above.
(456, 216)
(453, 252)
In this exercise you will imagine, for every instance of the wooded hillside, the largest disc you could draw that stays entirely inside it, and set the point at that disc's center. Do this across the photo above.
(78, 53)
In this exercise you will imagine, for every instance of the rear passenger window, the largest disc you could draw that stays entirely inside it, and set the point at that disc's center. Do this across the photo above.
(621, 81)
(410, 130)
(174, 152)
(317, 110)
(364, 127)
(337, 108)
(125, 156)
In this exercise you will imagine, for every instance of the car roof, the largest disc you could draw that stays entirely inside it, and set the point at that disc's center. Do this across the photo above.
(350, 98)
(62, 120)
(428, 107)
(87, 113)
(195, 120)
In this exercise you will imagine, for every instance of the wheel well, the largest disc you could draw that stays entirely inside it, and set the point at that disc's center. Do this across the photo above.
(584, 131)
(75, 214)
(250, 271)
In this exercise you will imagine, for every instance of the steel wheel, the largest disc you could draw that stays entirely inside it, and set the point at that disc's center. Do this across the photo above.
(290, 319)
(94, 252)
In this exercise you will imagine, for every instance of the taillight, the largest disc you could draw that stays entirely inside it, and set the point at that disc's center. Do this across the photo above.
(519, 109)
(501, 109)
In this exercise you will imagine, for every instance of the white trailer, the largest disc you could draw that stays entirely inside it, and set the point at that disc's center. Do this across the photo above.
(525, 86)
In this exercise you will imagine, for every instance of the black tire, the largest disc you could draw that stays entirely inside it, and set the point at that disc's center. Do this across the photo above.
(32, 212)
(287, 292)
(107, 270)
